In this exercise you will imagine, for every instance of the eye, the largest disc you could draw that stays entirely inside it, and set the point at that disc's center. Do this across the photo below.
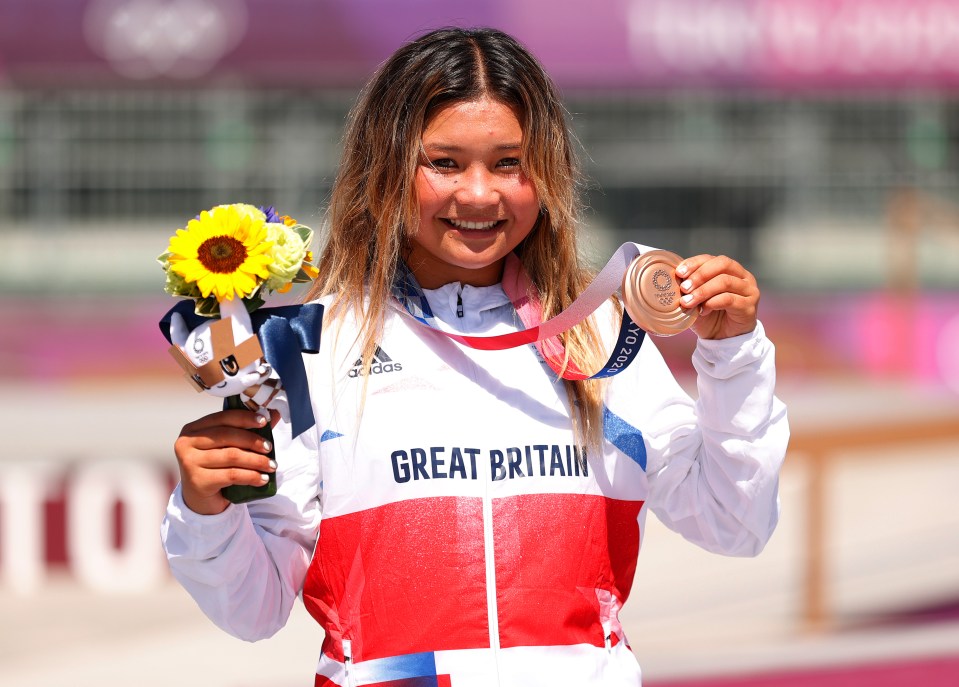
(229, 366)
(510, 165)
(443, 164)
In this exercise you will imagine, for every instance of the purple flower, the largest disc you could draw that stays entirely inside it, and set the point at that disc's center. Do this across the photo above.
(271, 216)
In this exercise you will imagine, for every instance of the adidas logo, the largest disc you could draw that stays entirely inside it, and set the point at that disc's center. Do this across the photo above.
(382, 363)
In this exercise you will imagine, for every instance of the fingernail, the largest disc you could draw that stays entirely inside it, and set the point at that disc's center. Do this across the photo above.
(264, 477)
(682, 270)
(687, 299)
(273, 465)
(260, 420)
(267, 446)
(686, 285)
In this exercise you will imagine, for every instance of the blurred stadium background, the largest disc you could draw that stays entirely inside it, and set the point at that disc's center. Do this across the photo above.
(815, 140)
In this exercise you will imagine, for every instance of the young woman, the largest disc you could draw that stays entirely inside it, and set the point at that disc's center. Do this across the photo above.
(460, 516)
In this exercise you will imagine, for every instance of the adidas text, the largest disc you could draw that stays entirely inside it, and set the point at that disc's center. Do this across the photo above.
(376, 368)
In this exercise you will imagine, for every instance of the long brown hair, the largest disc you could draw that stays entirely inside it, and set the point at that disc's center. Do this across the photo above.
(373, 205)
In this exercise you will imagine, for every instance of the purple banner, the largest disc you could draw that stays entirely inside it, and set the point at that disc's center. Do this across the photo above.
(759, 44)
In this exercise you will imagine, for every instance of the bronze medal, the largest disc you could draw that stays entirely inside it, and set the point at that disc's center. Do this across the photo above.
(651, 294)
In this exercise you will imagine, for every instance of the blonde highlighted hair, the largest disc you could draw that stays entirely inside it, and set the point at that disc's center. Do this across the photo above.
(373, 206)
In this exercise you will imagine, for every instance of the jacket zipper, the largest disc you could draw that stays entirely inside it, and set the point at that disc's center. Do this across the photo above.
(459, 304)
(348, 662)
(608, 635)
(491, 605)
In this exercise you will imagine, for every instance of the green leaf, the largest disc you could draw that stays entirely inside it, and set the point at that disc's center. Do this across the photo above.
(253, 302)
(304, 233)
(207, 307)
(302, 277)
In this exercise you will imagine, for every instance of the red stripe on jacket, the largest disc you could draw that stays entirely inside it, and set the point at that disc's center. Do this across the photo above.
(554, 552)
(410, 576)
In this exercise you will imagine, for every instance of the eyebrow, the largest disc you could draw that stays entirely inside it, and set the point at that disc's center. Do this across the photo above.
(453, 148)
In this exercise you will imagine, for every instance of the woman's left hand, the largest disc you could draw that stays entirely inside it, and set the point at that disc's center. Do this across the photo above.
(725, 291)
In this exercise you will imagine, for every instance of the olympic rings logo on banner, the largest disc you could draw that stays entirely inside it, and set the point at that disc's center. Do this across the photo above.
(182, 39)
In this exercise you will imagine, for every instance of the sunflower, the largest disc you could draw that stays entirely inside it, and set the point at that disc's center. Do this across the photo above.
(224, 251)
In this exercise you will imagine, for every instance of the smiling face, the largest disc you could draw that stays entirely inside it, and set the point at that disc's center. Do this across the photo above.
(475, 203)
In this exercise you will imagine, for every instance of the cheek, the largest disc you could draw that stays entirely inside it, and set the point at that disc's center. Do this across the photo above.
(429, 192)
(525, 201)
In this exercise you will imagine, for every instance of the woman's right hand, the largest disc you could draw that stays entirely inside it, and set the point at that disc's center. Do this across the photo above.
(219, 450)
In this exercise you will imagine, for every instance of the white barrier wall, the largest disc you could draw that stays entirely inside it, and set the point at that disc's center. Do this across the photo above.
(86, 475)
(98, 519)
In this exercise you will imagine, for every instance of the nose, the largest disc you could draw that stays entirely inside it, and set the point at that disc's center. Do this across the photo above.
(478, 187)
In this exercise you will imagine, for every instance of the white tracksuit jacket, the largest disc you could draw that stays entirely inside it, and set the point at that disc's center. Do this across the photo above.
(454, 534)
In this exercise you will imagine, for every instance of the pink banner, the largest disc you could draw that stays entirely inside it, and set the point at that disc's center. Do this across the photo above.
(757, 44)
(798, 43)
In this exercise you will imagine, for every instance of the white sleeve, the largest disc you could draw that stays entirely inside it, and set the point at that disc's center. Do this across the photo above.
(245, 566)
(713, 464)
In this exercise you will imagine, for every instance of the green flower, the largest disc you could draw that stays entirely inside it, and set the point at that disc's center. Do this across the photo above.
(290, 246)
(175, 284)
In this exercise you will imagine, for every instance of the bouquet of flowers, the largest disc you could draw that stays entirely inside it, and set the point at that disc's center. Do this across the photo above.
(237, 251)
(225, 261)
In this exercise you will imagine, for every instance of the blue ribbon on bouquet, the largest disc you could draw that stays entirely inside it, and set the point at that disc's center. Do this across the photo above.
(284, 332)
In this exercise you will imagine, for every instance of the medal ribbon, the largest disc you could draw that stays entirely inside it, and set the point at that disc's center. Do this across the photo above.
(525, 298)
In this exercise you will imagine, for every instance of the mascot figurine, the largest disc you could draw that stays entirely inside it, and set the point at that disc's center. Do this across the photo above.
(224, 358)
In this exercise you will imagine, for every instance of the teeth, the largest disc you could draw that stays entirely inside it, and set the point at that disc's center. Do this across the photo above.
(460, 224)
